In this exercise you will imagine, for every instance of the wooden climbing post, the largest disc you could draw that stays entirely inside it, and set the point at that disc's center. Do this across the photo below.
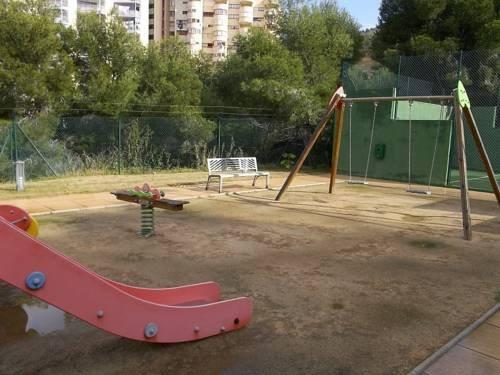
(462, 166)
(482, 151)
(339, 124)
(336, 97)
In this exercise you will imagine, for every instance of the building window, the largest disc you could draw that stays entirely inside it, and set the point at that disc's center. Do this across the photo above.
(257, 19)
(171, 13)
(184, 12)
(234, 27)
(234, 6)
(210, 45)
(233, 16)
(220, 33)
(260, 9)
(208, 14)
(220, 11)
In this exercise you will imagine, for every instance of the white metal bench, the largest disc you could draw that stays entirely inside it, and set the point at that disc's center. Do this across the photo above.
(222, 168)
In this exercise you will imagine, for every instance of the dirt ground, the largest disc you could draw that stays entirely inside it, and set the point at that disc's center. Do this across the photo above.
(367, 281)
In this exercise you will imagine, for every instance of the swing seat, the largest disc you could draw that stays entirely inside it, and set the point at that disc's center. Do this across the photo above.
(357, 182)
(421, 192)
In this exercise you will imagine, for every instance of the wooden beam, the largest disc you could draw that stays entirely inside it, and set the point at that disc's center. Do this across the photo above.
(336, 97)
(462, 166)
(166, 204)
(482, 151)
(339, 124)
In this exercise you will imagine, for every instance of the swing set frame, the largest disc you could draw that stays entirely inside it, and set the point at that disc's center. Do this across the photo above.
(462, 108)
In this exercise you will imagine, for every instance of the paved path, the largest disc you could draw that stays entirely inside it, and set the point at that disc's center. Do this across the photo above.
(475, 351)
(73, 202)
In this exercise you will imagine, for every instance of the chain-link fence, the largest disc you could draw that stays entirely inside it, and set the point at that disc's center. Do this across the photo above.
(59, 145)
(415, 141)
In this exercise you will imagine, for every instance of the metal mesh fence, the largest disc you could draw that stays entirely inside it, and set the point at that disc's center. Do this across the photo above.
(52, 146)
(421, 150)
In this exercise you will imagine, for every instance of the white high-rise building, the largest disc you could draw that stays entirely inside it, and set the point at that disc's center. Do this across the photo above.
(207, 25)
(133, 13)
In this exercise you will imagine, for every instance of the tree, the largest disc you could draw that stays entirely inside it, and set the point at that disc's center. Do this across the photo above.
(107, 60)
(436, 26)
(263, 73)
(168, 76)
(35, 72)
(323, 36)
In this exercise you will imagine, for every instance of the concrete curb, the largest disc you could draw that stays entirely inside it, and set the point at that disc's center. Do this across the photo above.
(450, 344)
(213, 195)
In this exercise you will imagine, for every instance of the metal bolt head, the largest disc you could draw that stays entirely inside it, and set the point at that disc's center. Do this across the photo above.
(100, 313)
(150, 330)
(222, 329)
(196, 329)
(35, 280)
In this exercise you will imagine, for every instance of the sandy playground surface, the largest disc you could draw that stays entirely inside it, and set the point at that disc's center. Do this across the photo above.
(367, 281)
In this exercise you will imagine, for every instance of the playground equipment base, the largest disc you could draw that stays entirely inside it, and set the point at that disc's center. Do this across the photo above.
(169, 315)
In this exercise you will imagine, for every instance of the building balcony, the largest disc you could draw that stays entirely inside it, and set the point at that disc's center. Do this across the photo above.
(220, 1)
(245, 23)
(127, 14)
(126, 2)
(246, 3)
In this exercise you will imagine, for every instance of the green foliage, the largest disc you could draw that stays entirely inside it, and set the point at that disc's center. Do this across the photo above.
(263, 73)
(107, 60)
(34, 70)
(322, 35)
(168, 76)
(287, 160)
(436, 26)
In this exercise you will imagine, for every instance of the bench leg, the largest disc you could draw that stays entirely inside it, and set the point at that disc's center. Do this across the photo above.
(208, 181)
(254, 179)
(267, 181)
(220, 185)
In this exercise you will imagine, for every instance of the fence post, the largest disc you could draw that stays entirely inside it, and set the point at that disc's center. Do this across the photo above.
(13, 147)
(14, 154)
(399, 73)
(218, 137)
(459, 71)
(120, 144)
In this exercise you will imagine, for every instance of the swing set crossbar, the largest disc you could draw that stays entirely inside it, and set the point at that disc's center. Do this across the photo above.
(436, 98)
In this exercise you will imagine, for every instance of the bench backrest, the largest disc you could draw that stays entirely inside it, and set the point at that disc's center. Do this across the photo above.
(237, 165)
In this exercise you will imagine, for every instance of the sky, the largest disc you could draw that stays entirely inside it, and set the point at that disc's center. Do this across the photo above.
(364, 11)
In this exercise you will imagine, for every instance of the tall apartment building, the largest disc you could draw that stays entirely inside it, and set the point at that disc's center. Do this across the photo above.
(207, 25)
(133, 13)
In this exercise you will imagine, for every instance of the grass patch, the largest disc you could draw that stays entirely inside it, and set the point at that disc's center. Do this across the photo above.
(99, 183)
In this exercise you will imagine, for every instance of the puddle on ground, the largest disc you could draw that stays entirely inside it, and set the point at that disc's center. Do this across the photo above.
(35, 318)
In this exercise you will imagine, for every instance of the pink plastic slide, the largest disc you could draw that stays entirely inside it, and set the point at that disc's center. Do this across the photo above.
(169, 315)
